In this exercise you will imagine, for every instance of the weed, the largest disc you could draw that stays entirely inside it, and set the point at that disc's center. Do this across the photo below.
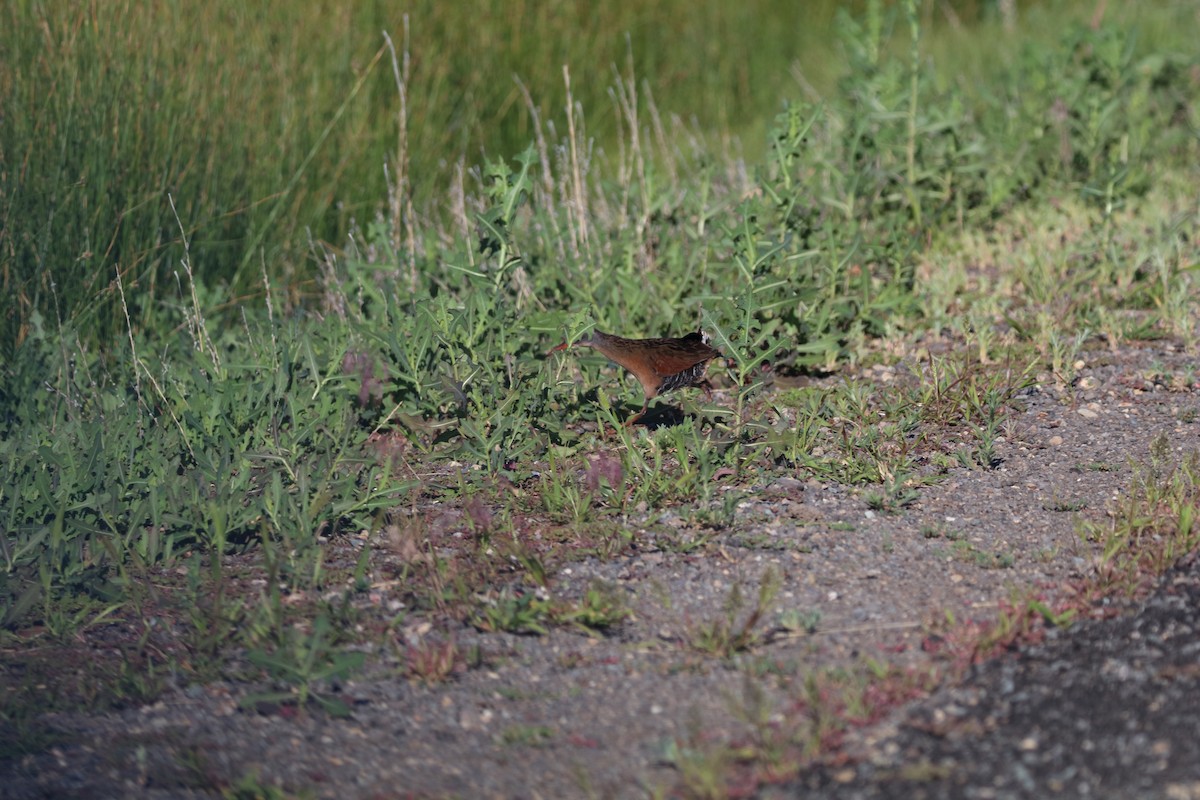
(432, 662)
(306, 662)
(561, 493)
(733, 632)
(214, 618)
(796, 621)
(1154, 524)
(966, 551)
(527, 736)
(786, 735)
(515, 612)
(250, 786)
(893, 497)
(704, 769)
(1022, 619)
(685, 542)
(600, 609)
(1059, 504)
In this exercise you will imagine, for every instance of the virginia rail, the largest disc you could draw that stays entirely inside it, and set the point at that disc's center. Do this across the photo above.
(660, 365)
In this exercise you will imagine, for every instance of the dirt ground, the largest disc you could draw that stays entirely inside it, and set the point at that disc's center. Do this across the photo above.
(1106, 708)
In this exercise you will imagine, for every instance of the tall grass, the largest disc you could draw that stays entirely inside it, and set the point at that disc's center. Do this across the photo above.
(269, 120)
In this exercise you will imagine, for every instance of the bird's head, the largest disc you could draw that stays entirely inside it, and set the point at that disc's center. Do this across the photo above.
(583, 341)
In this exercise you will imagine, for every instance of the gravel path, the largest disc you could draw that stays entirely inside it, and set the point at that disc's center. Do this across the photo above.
(1108, 709)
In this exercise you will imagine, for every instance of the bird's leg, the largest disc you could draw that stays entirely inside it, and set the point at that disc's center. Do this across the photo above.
(629, 422)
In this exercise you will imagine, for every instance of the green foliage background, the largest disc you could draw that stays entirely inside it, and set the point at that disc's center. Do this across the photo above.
(271, 121)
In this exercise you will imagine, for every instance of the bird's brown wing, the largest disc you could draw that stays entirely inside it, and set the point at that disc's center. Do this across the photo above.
(672, 356)
(699, 341)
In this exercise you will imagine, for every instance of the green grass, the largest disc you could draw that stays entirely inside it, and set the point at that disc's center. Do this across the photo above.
(302, 120)
(287, 119)
(196, 392)
(736, 628)
(823, 706)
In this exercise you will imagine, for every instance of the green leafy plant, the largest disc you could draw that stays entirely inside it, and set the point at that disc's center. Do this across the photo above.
(431, 661)
(307, 663)
(600, 608)
(515, 612)
(734, 631)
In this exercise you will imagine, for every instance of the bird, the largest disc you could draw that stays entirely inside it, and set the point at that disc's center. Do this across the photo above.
(660, 365)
